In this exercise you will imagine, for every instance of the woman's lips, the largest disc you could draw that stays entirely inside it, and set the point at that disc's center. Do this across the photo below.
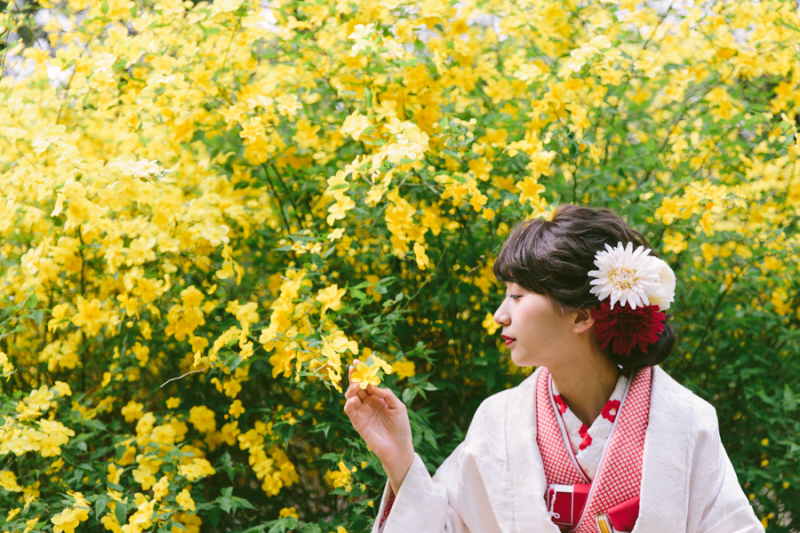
(508, 340)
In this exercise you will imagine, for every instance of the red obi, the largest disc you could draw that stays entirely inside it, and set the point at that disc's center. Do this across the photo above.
(565, 504)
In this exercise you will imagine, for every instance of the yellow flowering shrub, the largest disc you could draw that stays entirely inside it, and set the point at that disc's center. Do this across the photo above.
(214, 207)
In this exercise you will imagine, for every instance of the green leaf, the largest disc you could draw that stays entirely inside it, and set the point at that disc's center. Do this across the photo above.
(100, 505)
(210, 31)
(214, 515)
(241, 502)
(408, 396)
(789, 401)
(121, 513)
(284, 524)
(32, 301)
(357, 293)
(225, 501)
(227, 466)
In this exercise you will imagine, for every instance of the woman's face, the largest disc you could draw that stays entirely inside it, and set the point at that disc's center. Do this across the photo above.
(540, 333)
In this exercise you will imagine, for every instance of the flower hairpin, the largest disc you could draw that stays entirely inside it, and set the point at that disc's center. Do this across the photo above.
(634, 288)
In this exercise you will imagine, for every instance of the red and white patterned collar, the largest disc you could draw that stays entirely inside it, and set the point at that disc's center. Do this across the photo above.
(588, 443)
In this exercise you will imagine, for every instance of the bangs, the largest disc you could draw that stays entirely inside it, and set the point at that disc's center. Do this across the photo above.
(521, 260)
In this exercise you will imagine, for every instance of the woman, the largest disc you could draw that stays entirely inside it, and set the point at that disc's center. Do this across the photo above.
(599, 438)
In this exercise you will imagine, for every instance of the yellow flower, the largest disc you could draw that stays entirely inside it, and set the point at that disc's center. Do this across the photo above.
(330, 298)
(132, 411)
(184, 499)
(59, 320)
(114, 473)
(202, 418)
(675, 242)
(236, 409)
(354, 125)
(366, 375)
(161, 488)
(338, 210)
(8, 480)
(288, 105)
(336, 234)
(490, 324)
(422, 259)
(173, 403)
(404, 369)
(90, 316)
(66, 521)
(8, 368)
(340, 477)
(143, 514)
(529, 189)
(198, 468)
(289, 511)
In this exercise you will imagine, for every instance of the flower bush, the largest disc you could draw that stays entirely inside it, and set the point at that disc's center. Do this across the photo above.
(218, 207)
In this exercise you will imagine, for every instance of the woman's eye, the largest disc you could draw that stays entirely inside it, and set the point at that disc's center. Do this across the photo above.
(514, 296)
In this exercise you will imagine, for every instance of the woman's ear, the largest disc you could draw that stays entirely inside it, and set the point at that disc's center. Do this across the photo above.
(583, 320)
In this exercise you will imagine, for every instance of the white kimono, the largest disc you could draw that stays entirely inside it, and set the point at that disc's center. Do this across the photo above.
(494, 481)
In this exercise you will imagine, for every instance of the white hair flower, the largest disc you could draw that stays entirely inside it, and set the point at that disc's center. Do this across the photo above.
(632, 278)
(667, 282)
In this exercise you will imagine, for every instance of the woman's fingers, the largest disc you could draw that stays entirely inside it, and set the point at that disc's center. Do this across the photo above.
(351, 406)
(392, 401)
(355, 390)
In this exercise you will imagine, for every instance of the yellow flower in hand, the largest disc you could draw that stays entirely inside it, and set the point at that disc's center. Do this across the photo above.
(366, 375)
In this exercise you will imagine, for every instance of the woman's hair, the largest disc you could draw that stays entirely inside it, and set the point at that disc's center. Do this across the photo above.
(553, 258)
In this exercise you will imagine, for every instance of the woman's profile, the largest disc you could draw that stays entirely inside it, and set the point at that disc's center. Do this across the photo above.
(599, 438)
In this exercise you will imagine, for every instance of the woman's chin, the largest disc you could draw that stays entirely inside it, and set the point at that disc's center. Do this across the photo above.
(521, 360)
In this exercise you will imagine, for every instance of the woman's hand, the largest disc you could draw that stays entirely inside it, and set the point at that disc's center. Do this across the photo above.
(382, 421)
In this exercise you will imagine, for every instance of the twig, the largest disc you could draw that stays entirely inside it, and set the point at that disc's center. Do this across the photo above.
(184, 375)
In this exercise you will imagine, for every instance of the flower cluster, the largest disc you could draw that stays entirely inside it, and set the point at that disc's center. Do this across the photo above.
(633, 288)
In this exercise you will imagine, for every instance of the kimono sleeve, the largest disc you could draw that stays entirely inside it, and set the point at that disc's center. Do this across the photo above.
(717, 503)
(456, 499)
(421, 504)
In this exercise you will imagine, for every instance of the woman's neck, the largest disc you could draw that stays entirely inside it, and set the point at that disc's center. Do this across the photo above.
(586, 387)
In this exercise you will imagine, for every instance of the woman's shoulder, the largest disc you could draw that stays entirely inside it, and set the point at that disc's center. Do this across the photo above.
(518, 402)
(501, 416)
(499, 401)
(674, 402)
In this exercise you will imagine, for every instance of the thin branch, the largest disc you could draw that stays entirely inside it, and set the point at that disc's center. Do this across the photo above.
(184, 375)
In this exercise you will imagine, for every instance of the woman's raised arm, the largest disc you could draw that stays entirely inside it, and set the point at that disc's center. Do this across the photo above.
(382, 421)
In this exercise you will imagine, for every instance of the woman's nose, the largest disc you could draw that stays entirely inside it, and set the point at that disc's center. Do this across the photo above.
(501, 317)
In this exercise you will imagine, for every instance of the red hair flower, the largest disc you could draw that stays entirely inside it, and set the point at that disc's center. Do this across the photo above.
(626, 328)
